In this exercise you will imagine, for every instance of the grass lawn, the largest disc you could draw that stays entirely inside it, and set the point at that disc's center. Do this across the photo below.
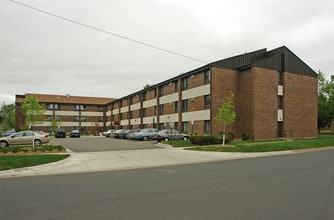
(18, 161)
(262, 146)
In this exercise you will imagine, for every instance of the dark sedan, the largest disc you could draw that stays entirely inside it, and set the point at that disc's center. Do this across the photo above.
(75, 134)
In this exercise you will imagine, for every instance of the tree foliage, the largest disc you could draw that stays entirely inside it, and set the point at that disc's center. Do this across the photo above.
(325, 100)
(226, 113)
(7, 117)
(33, 111)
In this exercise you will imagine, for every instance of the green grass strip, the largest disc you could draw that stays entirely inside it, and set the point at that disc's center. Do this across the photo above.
(19, 161)
(268, 146)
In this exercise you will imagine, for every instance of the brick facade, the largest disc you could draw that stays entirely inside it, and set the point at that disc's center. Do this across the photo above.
(275, 95)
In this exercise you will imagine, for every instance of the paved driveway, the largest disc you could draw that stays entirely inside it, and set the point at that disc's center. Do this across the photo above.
(96, 144)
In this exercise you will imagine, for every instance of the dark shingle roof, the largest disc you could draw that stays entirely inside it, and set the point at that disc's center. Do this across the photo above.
(280, 59)
(45, 98)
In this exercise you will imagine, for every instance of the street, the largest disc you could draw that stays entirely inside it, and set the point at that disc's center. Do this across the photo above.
(296, 186)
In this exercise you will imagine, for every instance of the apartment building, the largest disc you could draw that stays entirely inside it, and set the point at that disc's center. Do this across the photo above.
(275, 95)
(86, 114)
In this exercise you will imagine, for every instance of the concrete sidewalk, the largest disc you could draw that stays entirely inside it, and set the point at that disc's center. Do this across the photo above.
(130, 159)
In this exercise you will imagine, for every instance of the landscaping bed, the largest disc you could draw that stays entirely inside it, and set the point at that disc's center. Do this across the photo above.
(30, 150)
(25, 156)
(261, 146)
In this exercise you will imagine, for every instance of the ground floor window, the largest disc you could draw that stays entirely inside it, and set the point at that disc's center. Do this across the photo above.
(207, 127)
(280, 129)
(184, 126)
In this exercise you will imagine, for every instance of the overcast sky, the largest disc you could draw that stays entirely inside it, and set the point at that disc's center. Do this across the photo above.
(44, 54)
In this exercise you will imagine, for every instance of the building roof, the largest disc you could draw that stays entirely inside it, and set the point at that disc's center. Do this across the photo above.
(279, 59)
(68, 99)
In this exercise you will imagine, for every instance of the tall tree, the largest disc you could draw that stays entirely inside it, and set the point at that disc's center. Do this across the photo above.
(226, 114)
(33, 111)
(325, 100)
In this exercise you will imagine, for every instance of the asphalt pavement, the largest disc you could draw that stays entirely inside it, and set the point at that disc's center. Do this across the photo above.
(160, 155)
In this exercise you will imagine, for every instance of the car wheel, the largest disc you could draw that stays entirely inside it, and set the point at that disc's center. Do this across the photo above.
(37, 143)
(3, 144)
(185, 138)
(145, 138)
(166, 139)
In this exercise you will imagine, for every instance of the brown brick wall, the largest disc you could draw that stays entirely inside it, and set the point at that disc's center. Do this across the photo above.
(243, 104)
(196, 80)
(265, 104)
(222, 82)
(300, 105)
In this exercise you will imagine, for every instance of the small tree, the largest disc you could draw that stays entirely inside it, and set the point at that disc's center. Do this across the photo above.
(33, 111)
(226, 114)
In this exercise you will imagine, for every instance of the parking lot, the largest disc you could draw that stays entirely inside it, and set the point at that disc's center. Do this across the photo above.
(101, 143)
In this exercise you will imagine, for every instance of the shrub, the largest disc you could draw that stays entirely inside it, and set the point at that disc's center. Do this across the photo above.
(230, 136)
(245, 136)
(207, 140)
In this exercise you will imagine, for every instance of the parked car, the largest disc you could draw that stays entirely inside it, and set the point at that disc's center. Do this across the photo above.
(121, 134)
(60, 133)
(144, 134)
(116, 133)
(130, 133)
(170, 134)
(108, 133)
(75, 134)
(24, 137)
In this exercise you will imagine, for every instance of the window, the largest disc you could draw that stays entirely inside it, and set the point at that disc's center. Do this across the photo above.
(185, 105)
(80, 107)
(280, 78)
(176, 83)
(78, 118)
(185, 126)
(184, 83)
(207, 127)
(155, 110)
(100, 108)
(100, 118)
(207, 101)
(144, 112)
(176, 125)
(144, 96)
(280, 129)
(51, 117)
(207, 77)
(161, 91)
(280, 102)
(53, 106)
(176, 107)
(161, 109)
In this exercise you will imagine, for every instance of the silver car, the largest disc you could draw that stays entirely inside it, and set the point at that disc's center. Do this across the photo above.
(170, 134)
(25, 137)
(144, 134)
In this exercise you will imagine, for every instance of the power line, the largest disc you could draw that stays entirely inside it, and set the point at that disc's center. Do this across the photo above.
(108, 32)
